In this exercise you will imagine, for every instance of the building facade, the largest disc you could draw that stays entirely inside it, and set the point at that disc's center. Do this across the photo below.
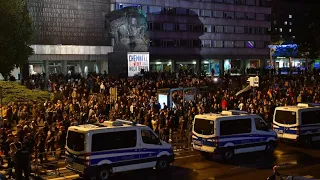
(206, 34)
(285, 17)
(70, 35)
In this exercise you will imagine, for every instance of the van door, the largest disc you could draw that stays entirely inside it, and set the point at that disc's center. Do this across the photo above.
(150, 148)
(261, 134)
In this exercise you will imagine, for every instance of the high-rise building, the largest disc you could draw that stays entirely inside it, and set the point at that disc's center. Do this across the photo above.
(203, 35)
(206, 34)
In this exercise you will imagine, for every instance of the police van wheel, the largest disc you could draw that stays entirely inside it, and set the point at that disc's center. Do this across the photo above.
(228, 154)
(270, 147)
(104, 173)
(162, 163)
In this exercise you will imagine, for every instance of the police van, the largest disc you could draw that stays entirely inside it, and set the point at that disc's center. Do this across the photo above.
(230, 133)
(97, 151)
(299, 123)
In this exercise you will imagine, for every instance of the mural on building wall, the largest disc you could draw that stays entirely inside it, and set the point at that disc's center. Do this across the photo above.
(69, 22)
(128, 27)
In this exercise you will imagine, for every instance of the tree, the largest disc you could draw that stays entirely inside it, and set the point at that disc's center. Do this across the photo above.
(307, 32)
(15, 35)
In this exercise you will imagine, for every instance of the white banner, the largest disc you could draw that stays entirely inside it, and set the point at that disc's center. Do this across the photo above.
(136, 62)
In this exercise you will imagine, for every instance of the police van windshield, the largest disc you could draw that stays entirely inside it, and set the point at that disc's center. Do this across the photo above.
(75, 141)
(285, 117)
(204, 127)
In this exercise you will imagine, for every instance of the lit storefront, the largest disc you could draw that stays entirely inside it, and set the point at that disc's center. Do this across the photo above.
(160, 66)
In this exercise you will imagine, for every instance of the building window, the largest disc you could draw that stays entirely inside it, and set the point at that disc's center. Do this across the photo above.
(228, 29)
(150, 27)
(229, 44)
(157, 27)
(250, 44)
(218, 14)
(239, 30)
(217, 1)
(239, 44)
(205, 43)
(196, 43)
(194, 12)
(290, 23)
(290, 30)
(207, 28)
(260, 17)
(293, 37)
(275, 22)
(251, 16)
(229, 1)
(169, 11)
(217, 44)
(183, 43)
(286, 23)
(240, 2)
(260, 44)
(155, 9)
(206, 13)
(168, 43)
(181, 11)
(248, 30)
(195, 28)
(239, 15)
(290, 16)
(229, 15)
(181, 27)
(251, 2)
(155, 42)
(218, 29)
(168, 26)
(280, 29)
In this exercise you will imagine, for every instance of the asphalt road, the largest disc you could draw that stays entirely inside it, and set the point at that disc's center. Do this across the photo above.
(191, 166)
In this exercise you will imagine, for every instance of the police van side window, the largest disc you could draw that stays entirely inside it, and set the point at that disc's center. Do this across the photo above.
(310, 117)
(260, 124)
(149, 138)
(231, 127)
(114, 140)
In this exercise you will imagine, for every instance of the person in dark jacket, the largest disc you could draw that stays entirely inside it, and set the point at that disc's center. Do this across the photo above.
(22, 157)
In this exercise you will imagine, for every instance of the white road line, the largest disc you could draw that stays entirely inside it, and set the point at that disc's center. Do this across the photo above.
(66, 177)
(183, 157)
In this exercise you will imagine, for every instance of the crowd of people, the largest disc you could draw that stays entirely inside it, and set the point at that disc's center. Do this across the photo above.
(41, 127)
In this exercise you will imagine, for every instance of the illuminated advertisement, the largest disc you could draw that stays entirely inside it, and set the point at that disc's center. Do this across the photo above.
(136, 62)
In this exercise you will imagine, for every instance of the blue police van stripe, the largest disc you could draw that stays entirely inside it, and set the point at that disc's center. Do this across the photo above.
(223, 140)
(120, 157)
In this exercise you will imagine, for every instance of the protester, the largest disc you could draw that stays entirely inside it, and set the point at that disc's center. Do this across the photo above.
(41, 127)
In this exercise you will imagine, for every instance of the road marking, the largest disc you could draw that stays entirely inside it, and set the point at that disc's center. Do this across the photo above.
(66, 177)
(183, 157)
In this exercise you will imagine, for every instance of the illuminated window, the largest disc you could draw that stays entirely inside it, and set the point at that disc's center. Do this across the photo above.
(280, 29)
(290, 16)
(290, 23)
(293, 37)
(286, 23)
(290, 30)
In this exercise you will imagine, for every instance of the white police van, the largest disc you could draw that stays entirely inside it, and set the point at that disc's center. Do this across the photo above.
(97, 151)
(299, 123)
(230, 133)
